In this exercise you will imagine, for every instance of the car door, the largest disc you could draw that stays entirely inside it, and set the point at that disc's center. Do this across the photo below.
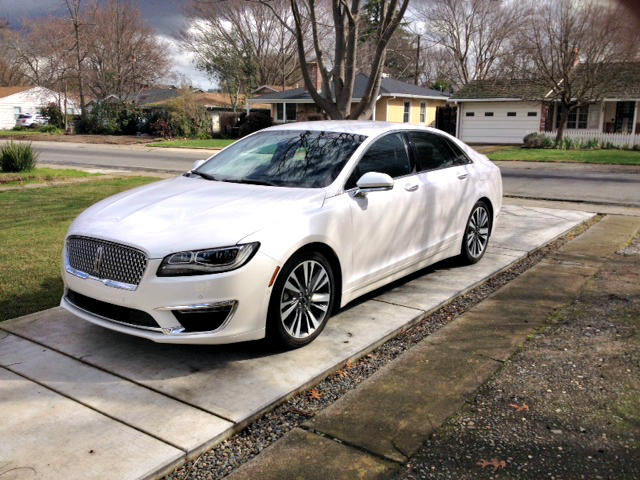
(444, 176)
(383, 222)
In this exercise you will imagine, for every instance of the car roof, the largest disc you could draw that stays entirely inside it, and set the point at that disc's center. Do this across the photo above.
(362, 127)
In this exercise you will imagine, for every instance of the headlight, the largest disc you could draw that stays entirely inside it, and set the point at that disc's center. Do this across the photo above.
(201, 262)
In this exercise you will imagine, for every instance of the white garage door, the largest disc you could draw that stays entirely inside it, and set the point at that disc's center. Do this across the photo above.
(498, 122)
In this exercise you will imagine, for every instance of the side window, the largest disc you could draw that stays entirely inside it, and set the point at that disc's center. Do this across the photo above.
(461, 157)
(431, 151)
(387, 155)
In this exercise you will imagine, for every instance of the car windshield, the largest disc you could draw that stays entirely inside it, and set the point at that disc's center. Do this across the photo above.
(288, 158)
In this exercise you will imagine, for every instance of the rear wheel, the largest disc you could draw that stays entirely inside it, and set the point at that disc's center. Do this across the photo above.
(476, 234)
(301, 301)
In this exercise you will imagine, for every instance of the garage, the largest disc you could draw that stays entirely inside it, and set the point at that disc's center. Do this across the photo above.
(497, 121)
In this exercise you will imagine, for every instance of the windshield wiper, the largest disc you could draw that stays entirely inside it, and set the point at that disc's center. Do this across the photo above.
(249, 181)
(203, 175)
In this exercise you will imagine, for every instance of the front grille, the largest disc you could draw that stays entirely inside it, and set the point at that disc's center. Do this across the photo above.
(130, 316)
(106, 260)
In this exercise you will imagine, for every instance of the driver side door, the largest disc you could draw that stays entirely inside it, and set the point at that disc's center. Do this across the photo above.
(383, 223)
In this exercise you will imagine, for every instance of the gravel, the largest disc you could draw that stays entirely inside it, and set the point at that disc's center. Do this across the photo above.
(580, 381)
(246, 444)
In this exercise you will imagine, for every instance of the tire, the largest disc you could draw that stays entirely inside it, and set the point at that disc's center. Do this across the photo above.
(302, 300)
(476, 233)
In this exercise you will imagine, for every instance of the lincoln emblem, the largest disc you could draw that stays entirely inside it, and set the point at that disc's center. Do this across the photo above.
(97, 261)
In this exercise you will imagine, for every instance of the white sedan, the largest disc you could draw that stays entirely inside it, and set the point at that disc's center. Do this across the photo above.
(277, 231)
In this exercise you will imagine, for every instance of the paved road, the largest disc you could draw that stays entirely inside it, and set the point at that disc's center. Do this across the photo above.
(593, 183)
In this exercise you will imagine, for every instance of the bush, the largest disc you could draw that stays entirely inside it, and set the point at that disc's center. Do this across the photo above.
(533, 140)
(547, 142)
(54, 114)
(17, 157)
(228, 122)
(19, 128)
(50, 129)
(253, 122)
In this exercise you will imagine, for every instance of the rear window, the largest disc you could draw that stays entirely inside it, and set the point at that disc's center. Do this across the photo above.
(24, 115)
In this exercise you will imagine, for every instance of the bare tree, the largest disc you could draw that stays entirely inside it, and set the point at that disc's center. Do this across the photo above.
(11, 69)
(476, 35)
(242, 44)
(74, 7)
(338, 78)
(123, 52)
(575, 50)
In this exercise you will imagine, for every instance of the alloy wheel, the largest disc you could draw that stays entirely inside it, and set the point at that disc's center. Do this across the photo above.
(477, 235)
(304, 303)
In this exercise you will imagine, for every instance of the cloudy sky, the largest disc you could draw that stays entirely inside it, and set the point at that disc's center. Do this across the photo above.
(166, 16)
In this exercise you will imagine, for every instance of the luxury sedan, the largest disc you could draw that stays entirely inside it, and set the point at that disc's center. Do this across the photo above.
(277, 231)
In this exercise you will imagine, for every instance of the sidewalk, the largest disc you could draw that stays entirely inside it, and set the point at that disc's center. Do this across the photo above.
(373, 430)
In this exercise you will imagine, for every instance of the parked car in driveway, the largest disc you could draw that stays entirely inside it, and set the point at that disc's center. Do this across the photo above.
(31, 120)
(277, 231)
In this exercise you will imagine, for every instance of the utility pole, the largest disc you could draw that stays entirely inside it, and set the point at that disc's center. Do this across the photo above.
(415, 80)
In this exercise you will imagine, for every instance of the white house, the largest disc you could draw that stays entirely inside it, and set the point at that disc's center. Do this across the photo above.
(502, 111)
(17, 100)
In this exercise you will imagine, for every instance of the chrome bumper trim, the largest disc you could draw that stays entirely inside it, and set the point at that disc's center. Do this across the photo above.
(109, 283)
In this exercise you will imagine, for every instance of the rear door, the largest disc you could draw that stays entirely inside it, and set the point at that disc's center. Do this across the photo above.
(444, 173)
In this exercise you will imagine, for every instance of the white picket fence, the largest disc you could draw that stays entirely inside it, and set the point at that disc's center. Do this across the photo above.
(617, 139)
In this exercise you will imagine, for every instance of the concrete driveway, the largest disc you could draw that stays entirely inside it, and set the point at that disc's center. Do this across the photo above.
(79, 401)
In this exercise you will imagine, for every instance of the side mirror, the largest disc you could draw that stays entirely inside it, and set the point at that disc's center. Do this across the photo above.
(373, 182)
(196, 164)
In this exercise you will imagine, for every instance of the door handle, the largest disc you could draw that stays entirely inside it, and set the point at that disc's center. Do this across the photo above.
(411, 187)
(462, 176)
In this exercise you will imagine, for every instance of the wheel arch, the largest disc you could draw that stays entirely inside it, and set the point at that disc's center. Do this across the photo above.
(334, 262)
(486, 200)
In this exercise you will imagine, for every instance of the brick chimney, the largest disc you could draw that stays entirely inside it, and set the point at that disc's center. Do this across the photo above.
(314, 73)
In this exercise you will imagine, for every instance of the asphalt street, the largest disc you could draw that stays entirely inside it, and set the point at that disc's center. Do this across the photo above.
(607, 184)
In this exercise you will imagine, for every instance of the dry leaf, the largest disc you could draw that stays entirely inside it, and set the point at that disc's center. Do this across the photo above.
(341, 373)
(495, 463)
(349, 364)
(314, 394)
(519, 408)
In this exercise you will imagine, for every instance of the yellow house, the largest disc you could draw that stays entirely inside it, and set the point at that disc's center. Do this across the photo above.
(397, 102)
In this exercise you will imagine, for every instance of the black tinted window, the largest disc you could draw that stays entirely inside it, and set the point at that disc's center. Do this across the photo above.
(387, 155)
(432, 151)
(460, 157)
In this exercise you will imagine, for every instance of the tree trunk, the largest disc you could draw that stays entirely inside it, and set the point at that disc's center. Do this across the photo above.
(564, 115)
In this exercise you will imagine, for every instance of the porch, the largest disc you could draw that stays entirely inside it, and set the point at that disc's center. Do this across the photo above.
(609, 121)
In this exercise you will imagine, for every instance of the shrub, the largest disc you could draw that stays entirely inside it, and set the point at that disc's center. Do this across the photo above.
(228, 122)
(54, 114)
(532, 140)
(160, 128)
(547, 142)
(19, 128)
(50, 129)
(17, 157)
(636, 147)
(253, 122)
(568, 143)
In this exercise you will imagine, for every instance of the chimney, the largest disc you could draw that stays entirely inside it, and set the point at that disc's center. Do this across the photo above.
(314, 73)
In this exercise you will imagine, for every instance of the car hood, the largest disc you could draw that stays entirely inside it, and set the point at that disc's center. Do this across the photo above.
(189, 213)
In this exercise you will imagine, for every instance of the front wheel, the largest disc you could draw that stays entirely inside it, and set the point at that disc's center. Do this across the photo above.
(301, 301)
(476, 234)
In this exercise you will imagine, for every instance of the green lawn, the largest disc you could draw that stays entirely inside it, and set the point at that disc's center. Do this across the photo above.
(41, 175)
(33, 223)
(615, 157)
(26, 133)
(210, 143)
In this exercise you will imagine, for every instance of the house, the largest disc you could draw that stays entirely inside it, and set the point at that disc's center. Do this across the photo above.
(397, 102)
(504, 111)
(29, 99)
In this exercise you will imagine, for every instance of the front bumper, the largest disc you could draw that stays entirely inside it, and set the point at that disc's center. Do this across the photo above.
(246, 289)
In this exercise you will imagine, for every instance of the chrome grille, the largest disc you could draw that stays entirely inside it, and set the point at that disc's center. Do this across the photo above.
(106, 260)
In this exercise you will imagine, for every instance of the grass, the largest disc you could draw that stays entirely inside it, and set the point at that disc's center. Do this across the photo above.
(193, 143)
(33, 224)
(41, 175)
(27, 133)
(613, 157)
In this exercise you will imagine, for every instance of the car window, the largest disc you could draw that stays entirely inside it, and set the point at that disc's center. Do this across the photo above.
(387, 155)
(460, 157)
(432, 151)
